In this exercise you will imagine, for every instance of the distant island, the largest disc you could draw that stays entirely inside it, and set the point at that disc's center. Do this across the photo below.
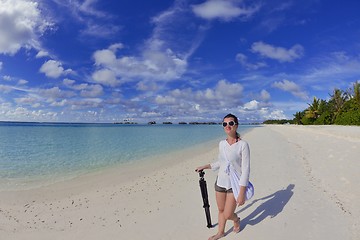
(125, 123)
(185, 123)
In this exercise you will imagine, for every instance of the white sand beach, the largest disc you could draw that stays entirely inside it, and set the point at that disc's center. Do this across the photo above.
(306, 178)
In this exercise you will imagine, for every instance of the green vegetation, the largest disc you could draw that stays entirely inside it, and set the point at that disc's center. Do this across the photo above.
(343, 108)
(281, 121)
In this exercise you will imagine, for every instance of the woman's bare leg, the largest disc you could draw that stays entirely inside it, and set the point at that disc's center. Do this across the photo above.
(229, 211)
(220, 201)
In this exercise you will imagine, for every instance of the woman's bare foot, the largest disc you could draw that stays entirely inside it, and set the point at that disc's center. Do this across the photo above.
(217, 236)
(236, 228)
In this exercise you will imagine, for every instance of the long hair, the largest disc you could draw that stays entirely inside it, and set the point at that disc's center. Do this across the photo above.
(236, 120)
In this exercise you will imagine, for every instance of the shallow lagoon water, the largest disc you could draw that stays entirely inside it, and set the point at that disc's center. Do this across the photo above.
(30, 152)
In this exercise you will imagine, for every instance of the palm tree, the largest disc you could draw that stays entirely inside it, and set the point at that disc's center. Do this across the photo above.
(356, 92)
(298, 116)
(313, 110)
(338, 100)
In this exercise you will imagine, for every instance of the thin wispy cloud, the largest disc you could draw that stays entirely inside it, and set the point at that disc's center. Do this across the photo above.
(292, 87)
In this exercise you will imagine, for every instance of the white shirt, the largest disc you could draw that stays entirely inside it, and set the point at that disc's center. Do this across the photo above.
(238, 156)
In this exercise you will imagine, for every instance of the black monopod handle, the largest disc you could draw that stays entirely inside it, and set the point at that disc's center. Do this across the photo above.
(205, 198)
(201, 174)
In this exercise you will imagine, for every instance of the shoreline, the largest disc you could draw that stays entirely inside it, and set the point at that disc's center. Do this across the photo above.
(306, 186)
(34, 182)
(121, 172)
(52, 175)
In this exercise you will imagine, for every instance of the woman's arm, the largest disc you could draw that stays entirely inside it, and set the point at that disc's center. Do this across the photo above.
(245, 165)
(207, 166)
(245, 174)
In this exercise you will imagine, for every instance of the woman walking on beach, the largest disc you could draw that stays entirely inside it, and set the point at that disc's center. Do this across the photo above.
(233, 177)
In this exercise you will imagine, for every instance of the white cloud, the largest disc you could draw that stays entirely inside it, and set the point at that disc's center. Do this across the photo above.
(252, 105)
(146, 86)
(7, 78)
(92, 91)
(261, 114)
(41, 54)
(86, 90)
(293, 88)
(5, 88)
(55, 93)
(165, 100)
(54, 69)
(71, 84)
(275, 114)
(243, 60)
(29, 100)
(151, 115)
(82, 8)
(155, 62)
(223, 10)
(87, 103)
(114, 47)
(278, 53)
(22, 82)
(105, 57)
(106, 77)
(224, 95)
(68, 82)
(20, 24)
(225, 90)
(265, 95)
(9, 113)
(59, 104)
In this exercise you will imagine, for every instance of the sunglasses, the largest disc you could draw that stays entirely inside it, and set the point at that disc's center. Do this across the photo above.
(231, 123)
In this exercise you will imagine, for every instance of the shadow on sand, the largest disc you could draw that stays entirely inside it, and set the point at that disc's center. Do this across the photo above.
(273, 205)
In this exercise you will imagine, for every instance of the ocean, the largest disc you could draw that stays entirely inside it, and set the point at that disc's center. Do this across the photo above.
(31, 152)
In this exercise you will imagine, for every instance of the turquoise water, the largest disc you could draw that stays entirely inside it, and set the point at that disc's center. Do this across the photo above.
(52, 151)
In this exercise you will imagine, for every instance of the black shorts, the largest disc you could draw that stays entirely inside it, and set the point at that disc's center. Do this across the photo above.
(221, 189)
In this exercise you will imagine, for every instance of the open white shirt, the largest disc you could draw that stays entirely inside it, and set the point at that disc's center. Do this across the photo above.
(236, 156)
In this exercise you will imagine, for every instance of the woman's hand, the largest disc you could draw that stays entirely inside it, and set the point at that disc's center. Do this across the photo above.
(240, 200)
(198, 169)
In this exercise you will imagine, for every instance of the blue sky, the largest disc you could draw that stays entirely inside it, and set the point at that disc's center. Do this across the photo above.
(110, 61)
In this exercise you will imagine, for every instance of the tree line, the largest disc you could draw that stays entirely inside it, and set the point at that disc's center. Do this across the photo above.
(343, 108)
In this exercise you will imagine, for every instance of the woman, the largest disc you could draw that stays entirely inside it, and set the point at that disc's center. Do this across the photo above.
(234, 157)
